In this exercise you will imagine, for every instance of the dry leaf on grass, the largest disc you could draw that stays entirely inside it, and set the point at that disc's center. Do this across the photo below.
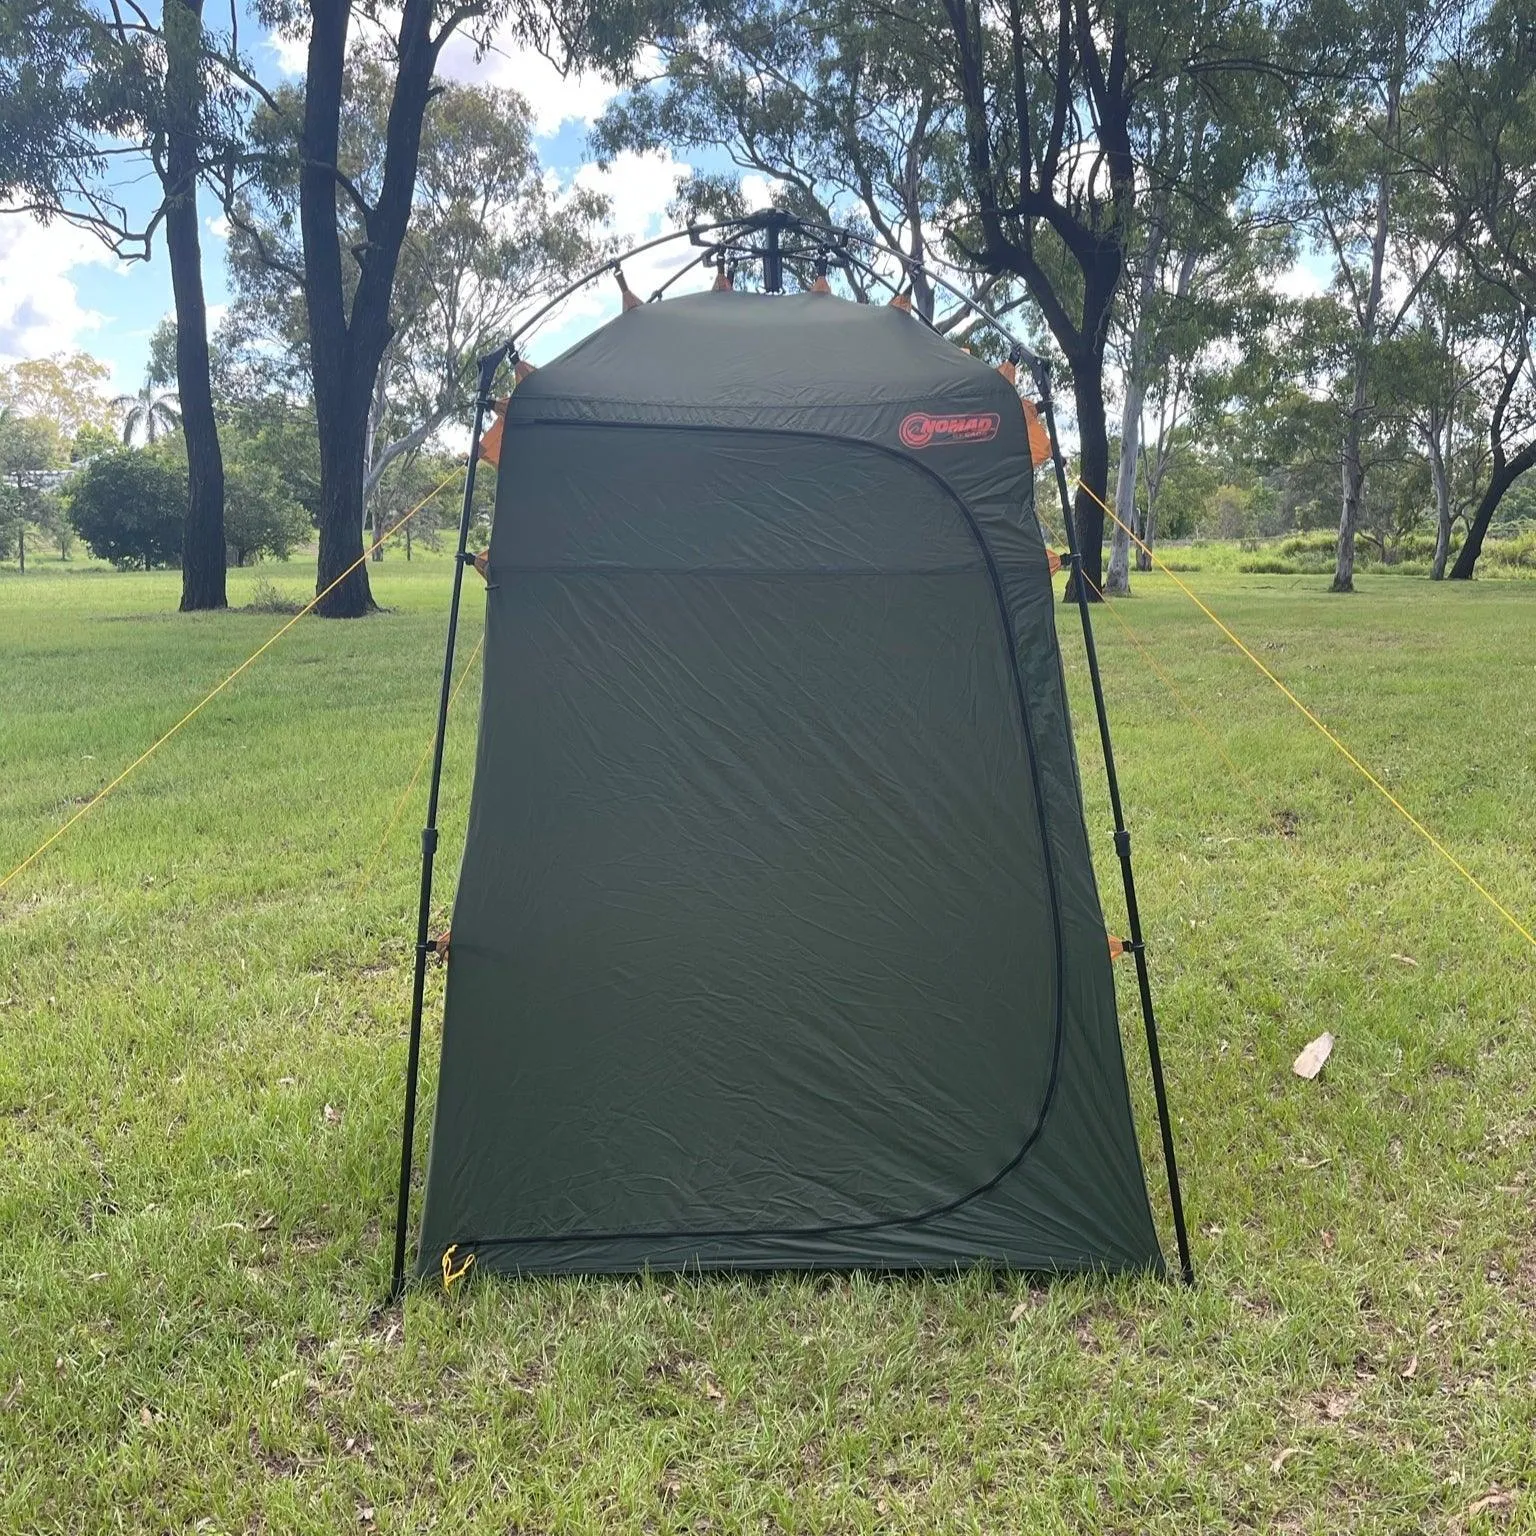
(332, 1115)
(1311, 1060)
(1410, 1370)
(1493, 1500)
(12, 1397)
(1406, 960)
(1278, 1464)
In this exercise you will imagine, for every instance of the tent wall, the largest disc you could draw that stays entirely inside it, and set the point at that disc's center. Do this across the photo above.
(776, 941)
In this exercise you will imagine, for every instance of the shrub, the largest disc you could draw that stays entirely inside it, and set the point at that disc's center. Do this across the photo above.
(260, 517)
(129, 508)
(266, 598)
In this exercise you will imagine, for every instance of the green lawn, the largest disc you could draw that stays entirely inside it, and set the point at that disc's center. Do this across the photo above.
(202, 1039)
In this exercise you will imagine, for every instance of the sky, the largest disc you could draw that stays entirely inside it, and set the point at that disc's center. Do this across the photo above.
(61, 290)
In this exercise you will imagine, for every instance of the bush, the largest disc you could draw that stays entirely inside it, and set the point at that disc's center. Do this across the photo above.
(266, 598)
(129, 508)
(260, 517)
(1518, 553)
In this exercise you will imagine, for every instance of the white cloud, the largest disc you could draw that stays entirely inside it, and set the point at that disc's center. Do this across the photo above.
(40, 310)
(1303, 279)
(218, 226)
(638, 188)
(756, 190)
(291, 50)
(554, 98)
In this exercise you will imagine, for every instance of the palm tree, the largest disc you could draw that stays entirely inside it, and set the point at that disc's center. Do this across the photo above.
(148, 413)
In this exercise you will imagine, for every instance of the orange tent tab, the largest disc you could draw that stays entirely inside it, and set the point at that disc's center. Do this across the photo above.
(1116, 947)
(1052, 561)
(1039, 438)
(490, 441)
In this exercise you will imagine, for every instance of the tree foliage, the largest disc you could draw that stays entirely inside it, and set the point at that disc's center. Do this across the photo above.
(128, 507)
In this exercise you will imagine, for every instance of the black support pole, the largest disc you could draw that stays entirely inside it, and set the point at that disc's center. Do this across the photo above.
(1122, 836)
(488, 367)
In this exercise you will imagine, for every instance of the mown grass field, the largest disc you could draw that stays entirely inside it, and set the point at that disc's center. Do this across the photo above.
(202, 1039)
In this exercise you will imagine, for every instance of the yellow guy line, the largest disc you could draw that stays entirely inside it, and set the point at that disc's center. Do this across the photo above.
(1365, 773)
(362, 880)
(96, 799)
(1189, 709)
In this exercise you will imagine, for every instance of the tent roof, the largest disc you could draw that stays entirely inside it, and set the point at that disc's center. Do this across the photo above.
(718, 350)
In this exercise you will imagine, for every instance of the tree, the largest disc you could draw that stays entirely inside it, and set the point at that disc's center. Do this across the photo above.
(91, 89)
(29, 446)
(1201, 245)
(1478, 147)
(348, 283)
(260, 517)
(129, 508)
(1353, 170)
(148, 414)
(487, 237)
(1060, 110)
(846, 114)
(65, 389)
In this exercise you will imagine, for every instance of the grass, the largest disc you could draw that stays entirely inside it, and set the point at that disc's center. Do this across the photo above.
(202, 1045)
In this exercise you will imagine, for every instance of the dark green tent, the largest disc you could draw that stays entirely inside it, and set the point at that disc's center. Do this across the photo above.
(776, 942)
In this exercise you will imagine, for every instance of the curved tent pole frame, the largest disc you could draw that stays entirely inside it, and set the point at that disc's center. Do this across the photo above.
(837, 242)
(489, 365)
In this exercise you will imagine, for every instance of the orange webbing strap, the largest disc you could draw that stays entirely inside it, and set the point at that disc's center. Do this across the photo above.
(439, 945)
(490, 440)
(1117, 947)
(723, 282)
(631, 299)
(821, 285)
(1052, 561)
(901, 301)
(1039, 438)
(483, 564)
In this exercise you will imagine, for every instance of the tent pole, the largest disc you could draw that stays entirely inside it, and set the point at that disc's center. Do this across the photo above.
(488, 367)
(1122, 837)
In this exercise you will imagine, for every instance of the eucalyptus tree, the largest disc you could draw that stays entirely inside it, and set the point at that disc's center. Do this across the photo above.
(1062, 105)
(87, 92)
(1477, 145)
(487, 236)
(844, 110)
(351, 233)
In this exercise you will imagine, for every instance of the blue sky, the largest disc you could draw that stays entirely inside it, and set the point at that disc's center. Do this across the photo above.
(60, 290)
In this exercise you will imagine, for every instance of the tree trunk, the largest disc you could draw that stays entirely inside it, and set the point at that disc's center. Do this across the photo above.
(1117, 583)
(347, 344)
(1148, 528)
(1503, 477)
(1093, 471)
(1353, 459)
(202, 545)
(1442, 484)
(21, 546)
(341, 416)
(1349, 518)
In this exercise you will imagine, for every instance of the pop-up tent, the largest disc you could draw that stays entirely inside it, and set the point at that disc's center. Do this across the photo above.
(776, 941)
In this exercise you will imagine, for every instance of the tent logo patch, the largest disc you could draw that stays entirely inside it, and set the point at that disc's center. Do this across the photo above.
(921, 430)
